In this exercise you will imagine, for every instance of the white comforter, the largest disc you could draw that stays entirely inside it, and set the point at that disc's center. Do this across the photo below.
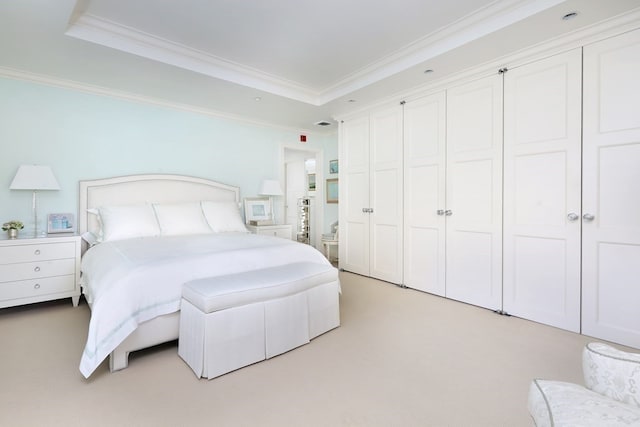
(128, 282)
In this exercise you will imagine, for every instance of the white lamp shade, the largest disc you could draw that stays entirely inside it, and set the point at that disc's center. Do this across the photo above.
(34, 177)
(270, 187)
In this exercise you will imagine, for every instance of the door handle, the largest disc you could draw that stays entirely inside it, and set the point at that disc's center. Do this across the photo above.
(572, 216)
(440, 211)
(588, 217)
(448, 212)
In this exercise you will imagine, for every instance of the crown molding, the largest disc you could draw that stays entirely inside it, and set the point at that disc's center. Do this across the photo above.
(111, 34)
(485, 21)
(617, 25)
(14, 74)
(471, 27)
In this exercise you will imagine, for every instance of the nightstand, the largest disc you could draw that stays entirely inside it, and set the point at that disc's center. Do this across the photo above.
(282, 230)
(39, 269)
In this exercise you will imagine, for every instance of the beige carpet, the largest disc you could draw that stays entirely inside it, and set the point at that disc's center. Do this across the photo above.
(400, 358)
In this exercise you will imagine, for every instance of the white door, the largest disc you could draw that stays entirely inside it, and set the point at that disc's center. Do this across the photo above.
(354, 195)
(386, 194)
(474, 192)
(424, 190)
(611, 190)
(542, 173)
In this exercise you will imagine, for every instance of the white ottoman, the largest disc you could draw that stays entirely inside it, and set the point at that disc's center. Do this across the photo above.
(231, 321)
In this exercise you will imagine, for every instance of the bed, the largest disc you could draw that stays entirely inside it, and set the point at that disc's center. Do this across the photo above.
(132, 274)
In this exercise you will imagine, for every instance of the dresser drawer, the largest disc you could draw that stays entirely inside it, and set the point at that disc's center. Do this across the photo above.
(35, 252)
(34, 270)
(36, 287)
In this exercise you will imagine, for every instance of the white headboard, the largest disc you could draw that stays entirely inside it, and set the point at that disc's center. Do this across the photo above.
(126, 190)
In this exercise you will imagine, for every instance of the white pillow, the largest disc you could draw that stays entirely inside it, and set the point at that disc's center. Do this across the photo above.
(128, 221)
(223, 216)
(179, 219)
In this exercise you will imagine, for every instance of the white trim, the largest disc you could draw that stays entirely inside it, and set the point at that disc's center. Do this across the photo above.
(579, 38)
(487, 20)
(14, 74)
(108, 33)
(467, 29)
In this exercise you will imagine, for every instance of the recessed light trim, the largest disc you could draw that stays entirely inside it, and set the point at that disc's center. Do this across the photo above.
(569, 16)
(428, 71)
(323, 123)
(351, 100)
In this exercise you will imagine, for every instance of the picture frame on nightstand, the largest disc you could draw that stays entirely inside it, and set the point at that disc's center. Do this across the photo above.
(257, 209)
(60, 223)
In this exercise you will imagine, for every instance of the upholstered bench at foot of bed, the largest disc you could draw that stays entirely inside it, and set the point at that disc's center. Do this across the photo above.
(228, 322)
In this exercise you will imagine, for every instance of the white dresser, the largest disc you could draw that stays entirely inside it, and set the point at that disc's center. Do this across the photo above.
(282, 230)
(39, 269)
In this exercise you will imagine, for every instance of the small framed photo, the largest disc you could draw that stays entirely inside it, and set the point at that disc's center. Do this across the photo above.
(312, 181)
(61, 223)
(333, 166)
(332, 190)
(257, 209)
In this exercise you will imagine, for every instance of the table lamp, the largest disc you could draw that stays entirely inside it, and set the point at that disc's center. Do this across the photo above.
(34, 178)
(271, 187)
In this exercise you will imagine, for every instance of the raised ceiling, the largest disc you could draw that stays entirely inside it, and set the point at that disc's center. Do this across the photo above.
(303, 59)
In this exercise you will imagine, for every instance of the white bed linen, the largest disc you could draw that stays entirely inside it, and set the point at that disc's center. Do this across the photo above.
(131, 281)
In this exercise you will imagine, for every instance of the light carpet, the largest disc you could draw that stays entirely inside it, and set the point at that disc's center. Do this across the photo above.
(400, 358)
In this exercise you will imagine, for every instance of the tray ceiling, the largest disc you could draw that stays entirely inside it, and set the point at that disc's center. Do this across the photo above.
(303, 59)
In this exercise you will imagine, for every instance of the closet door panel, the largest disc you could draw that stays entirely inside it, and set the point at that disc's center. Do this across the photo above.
(386, 244)
(542, 167)
(611, 192)
(424, 186)
(354, 192)
(474, 193)
(471, 275)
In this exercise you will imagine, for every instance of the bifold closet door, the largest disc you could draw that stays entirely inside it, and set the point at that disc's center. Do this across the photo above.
(371, 195)
(424, 189)
(611, 190)
(386, 194)
(354, 195)
(542, 173)
(474, 193)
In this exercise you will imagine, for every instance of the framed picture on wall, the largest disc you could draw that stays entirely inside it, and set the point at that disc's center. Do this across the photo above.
(312, 181)
(332, 190)
(257, 209)
(333, 166)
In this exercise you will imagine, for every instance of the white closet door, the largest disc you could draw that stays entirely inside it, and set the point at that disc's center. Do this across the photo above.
(542, 172)
(354, 196)
(474, 192)
(386, 194)
(611, 190)
(424, 189)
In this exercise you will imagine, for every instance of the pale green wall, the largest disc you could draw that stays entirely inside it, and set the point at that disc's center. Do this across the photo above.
(87, 136)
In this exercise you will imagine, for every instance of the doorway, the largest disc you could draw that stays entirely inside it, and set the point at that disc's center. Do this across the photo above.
(302, 179)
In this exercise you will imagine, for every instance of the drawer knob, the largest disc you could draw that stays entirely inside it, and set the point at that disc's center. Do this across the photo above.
(36, 269)
(36, 286)
(37, 252)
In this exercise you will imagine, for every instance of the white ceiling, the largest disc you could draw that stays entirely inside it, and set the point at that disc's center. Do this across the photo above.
(304, 59)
